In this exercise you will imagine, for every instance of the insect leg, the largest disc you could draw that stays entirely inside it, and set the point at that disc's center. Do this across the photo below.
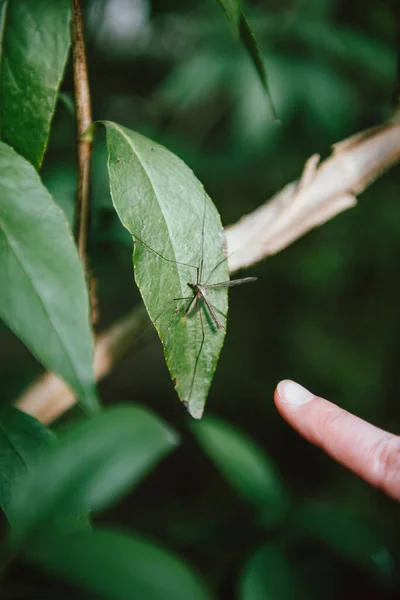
(152, 323)
(137, 238)
(167, 306)
(197, 358)
(200, 273)
(245, 280)
(218, 310)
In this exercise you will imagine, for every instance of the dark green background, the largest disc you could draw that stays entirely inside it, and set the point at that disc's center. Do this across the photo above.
(324, 312)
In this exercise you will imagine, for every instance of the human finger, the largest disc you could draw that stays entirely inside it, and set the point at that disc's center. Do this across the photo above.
(370, 452)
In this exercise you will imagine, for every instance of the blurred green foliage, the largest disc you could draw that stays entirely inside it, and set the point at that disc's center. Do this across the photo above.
(325, 311)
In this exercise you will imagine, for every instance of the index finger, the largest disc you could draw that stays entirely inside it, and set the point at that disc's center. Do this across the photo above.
(370, 452)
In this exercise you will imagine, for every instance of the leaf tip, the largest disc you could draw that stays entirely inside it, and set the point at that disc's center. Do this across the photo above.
(194, 410)
(91, 403)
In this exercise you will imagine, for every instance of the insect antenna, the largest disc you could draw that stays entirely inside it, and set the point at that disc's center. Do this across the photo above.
(221, 262)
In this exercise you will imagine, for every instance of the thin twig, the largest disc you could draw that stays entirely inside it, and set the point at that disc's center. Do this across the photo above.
(323, 192)
(83, 121)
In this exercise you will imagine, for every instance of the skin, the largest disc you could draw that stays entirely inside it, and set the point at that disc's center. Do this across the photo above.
(370, 452)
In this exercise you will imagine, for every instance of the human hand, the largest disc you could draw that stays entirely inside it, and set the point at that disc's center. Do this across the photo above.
(371, 453)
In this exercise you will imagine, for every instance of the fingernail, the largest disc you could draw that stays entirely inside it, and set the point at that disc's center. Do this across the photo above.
(293, 393)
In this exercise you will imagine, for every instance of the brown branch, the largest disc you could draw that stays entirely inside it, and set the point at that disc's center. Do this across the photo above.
(49, 397)
(320, 194)
(83, 121)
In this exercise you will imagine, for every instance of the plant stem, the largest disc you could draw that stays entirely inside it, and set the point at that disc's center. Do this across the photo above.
(83, 121)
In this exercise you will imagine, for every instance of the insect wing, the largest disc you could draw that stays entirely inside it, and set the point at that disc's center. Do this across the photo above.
(224, 284)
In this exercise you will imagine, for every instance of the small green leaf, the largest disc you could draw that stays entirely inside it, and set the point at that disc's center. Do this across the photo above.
(117, 566)
(89, 467)
(43, 296)
(268, 575)
(250, 42)
(241, 29)
(33, 53)
(21, 437)
(162, 204)
(245, 466)
(232, 10)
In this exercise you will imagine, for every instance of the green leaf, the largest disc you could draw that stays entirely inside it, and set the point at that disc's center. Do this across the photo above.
(232, 10)
(33, 53)
(250, 42)
(117, 566)
(268, 576)
(245, 466)
(21, 437)
(348, 534)
(241, 29)
(89, 467)
(43, 296)
(162, 204)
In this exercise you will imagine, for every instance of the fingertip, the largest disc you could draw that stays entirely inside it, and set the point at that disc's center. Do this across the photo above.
(291, 393)
(279, 394)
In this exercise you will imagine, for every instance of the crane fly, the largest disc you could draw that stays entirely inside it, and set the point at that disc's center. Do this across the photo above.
(199, 301)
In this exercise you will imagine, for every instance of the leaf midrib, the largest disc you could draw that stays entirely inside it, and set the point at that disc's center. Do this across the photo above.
(155, 191)
(42, 302)
(170, 237)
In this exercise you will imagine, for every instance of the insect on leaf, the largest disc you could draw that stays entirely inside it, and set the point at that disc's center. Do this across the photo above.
(172, 221)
